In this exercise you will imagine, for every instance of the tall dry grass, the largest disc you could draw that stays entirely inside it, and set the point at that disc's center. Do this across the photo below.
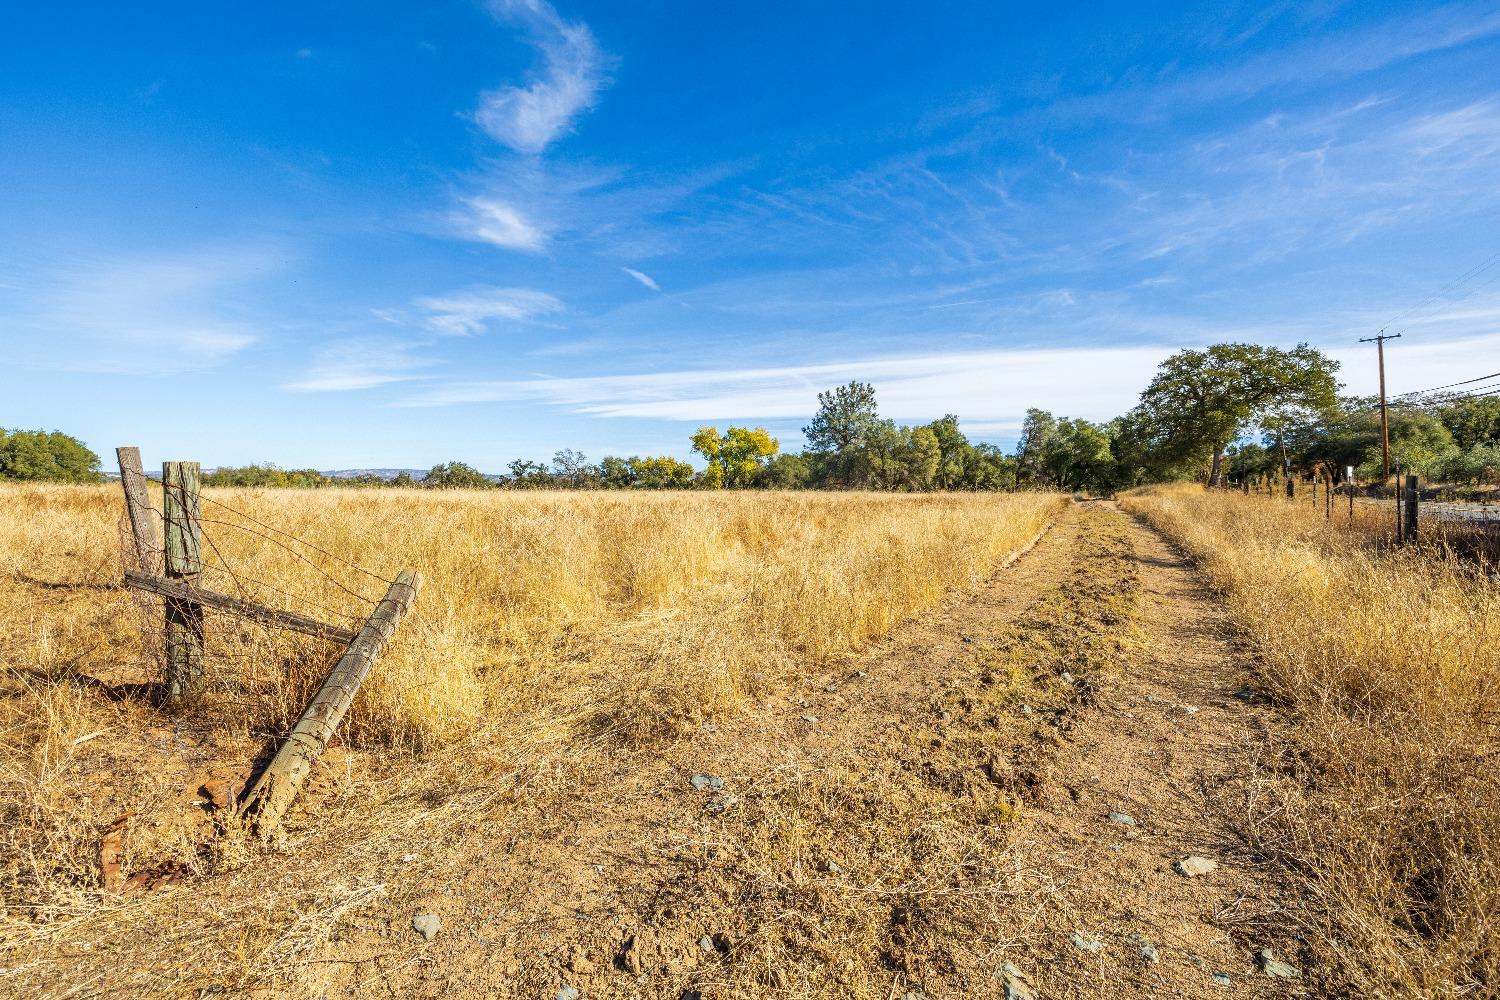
(1390, 661)
(557, 624)
(621, 614)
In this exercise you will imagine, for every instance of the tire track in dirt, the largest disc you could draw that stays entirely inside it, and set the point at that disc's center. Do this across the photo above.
(922, 824)
(1171, 741)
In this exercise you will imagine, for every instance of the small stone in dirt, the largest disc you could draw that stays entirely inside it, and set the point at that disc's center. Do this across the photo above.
(568, 993)
(408, 858)
(1083, 942)
(1117, 848)
(831, 688)
(720, 803)
(427, 925)
(706, 943)
(1026, 709)
(1193, 864)
(1245, 694)
(833, 868)
(809, 718)
(1014, 984)
(1222, 979)
(1067, 678)
(707, 782)
(1189, 709)
(1275, 967)
(220, 793)
(709, 727)
(1124, 819)
(860, 673)
(1148, 951)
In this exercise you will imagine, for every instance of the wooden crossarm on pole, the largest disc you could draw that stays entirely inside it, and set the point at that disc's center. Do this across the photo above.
(178, 591)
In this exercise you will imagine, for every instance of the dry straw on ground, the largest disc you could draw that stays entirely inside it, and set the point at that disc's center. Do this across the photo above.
(549, 623)
(1388, 659)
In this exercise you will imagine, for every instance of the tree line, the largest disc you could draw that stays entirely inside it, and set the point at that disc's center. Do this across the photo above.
(1229, 412)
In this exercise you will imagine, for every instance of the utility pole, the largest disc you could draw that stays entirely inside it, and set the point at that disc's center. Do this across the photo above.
(1385, 427)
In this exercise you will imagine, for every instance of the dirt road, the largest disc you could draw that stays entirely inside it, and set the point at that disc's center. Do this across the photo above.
(989, 804)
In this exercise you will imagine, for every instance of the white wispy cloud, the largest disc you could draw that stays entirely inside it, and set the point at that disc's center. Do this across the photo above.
(175, 312)
(360, 363)
(992, 387)
(471, 310)
(643, 278)
(490, 220)
(529, 118)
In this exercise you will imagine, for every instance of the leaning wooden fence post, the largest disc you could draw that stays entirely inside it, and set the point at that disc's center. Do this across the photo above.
(1411, 509)
(277, 785)
(184, 561)
(145, 552)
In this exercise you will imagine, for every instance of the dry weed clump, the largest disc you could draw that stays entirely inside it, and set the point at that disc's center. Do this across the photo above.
(1389, 661)
(549, 624)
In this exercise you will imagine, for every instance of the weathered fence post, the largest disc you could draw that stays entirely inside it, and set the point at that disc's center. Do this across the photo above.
(1291, 488)
(1328, 500)
(184, 561)
(145, 552)
(277, 785)
(1410, 527)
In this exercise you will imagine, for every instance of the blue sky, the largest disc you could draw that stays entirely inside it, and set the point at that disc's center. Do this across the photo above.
(348, 235)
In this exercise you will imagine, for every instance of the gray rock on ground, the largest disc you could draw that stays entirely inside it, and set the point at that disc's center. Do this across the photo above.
(1149, 953)
(1013, 983)
(427, 925)
(1084, 942)
(1194, 864)
(1275, 967)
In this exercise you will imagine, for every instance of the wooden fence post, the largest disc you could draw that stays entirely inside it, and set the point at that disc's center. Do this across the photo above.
(277, 785)
(1410, 527)
(1291, 488)
(145, 553)
(184, 561)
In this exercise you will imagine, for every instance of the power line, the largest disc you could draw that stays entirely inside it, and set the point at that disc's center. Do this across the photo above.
(1450, 385)
(1450, 287)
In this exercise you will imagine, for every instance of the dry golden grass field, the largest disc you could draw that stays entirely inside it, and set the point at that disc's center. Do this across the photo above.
(594, 623)
(918, 724)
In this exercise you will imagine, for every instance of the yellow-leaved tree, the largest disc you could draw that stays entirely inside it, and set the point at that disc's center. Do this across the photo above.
(735, 456)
